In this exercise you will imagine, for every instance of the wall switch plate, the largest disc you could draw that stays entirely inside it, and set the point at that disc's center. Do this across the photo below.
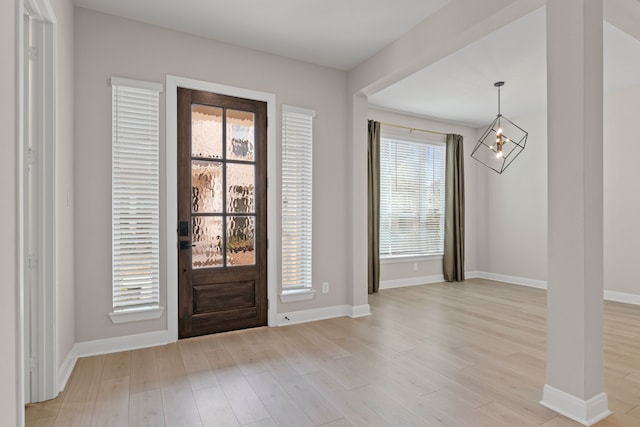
(415, 266)
(325, 288)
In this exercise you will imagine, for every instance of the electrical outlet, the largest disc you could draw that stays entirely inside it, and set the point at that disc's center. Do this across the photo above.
(325, 288)
(415, 266)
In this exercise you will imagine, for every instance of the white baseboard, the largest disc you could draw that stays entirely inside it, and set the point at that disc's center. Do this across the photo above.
(411, 281)
(531, 283)
(125, 343)
(586, 412)
(622, 297)
(323, 313)
(64, 371)
(360, 310)
(616, 296)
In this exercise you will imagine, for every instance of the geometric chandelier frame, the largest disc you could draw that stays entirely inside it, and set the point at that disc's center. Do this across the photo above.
(501, 142)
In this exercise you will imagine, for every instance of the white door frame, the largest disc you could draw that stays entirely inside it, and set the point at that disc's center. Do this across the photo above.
(37, 199)
(171, 165)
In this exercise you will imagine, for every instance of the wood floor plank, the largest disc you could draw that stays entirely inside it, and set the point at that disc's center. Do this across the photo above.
(80, 396)
(117, 365)
(178, 403)
(144, 371)
(196, 365)
(145, 409)
(316, 407)
(337, 423)
(112, 403)
(277, 401)
(468, 354)
(348, 402)
(214, 408)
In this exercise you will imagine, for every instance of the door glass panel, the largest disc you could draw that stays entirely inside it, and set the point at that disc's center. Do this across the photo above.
(206, 187)
(240, 240)
(207, 241)
(240, 135)
(206, 131)
(240, 188)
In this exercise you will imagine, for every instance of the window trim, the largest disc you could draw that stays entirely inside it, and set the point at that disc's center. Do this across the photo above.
(425, 140)
(122, 314)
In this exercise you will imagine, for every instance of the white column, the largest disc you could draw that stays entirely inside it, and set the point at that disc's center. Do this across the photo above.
(575, 267)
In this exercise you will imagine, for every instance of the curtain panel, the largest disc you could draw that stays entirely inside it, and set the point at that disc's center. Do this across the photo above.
(453, 259)
(373, 208)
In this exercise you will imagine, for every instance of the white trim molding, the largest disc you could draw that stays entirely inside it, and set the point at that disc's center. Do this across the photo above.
(411, 281)
(531, 283)
(117, 344)
(360, 311)
(622, 297)
(615, 296)
(291, 295)
(123, 316)
(586, 412)
(64, 371)
(323, 313)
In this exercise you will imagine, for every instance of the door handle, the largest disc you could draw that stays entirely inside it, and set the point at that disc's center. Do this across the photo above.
(185, 244)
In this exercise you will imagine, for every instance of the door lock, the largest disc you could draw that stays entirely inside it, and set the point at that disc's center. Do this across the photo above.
(185, 244)
(183, 228)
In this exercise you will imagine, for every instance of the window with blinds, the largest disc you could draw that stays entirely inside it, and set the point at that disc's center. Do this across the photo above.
(412, 198)
(297, 173)
(135, 190)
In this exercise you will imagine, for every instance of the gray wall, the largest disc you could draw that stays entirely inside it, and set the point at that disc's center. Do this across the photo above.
(110, 46)
(513, 207)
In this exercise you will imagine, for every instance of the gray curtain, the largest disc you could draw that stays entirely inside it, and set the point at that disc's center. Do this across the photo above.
(453, 261)
(373, 208)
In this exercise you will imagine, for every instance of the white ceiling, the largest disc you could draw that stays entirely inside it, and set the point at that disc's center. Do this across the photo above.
(343, 33)
(335, 33)
(459, 88)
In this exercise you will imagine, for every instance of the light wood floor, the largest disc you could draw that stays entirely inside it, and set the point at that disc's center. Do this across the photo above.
(453, 355)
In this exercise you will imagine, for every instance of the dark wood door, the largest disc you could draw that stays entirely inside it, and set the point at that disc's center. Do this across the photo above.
(222, 213)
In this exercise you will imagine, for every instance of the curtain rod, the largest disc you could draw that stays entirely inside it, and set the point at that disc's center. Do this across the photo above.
(412, 129)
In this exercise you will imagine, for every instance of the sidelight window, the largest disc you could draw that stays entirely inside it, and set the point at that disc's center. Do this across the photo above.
(135, 197)
(297, 198)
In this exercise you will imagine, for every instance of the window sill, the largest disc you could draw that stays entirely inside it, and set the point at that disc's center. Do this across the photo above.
(410, 258)
(297, 295)
(124, 316)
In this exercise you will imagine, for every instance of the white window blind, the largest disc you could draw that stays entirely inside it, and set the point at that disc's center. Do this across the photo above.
(297, 173)
(412, 198)
(135, 191)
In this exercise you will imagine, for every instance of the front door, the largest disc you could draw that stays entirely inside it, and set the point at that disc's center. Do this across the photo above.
(222, 213)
